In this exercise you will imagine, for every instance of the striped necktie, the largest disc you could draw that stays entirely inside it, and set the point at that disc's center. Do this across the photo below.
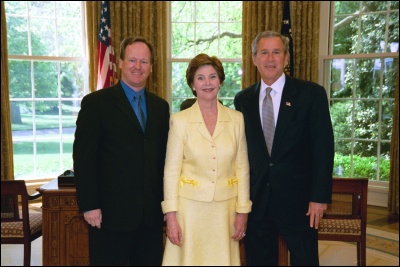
(140, 114)
(268, 120)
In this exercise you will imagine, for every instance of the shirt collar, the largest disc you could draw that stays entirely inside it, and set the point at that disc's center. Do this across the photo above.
(277, 85)
(131, 93)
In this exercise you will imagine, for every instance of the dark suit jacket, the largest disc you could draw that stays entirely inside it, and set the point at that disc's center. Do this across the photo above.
(300, 167)
(117, 167)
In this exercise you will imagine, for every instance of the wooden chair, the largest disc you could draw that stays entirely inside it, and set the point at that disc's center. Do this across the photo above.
(18, 224)
(187, 103)
(346, 217)
(344, 220)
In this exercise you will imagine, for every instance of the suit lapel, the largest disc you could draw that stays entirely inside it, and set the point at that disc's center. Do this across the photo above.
(152, 111)
(286, 111)
(222, 117)
(122, 103)
(150, 106)
(254, 121)
(196, 117)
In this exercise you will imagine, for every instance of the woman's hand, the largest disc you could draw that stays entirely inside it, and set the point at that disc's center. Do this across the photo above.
(240, 226)
(174, 231)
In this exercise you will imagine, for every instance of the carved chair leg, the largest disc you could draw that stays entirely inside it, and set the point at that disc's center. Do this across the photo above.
(283, 252)
(27, 253)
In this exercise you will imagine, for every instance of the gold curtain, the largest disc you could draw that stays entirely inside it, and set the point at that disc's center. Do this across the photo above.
(7, 162)
(267, 15)
(393, 198)
(132, 18)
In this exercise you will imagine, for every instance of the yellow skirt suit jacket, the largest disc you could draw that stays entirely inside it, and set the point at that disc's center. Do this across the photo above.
(202, 167)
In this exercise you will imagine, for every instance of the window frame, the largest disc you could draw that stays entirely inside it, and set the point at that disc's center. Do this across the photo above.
(326, 54)
(34, 178)
(171, 60)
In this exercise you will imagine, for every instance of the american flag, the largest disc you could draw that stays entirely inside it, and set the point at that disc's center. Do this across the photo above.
(107, 73)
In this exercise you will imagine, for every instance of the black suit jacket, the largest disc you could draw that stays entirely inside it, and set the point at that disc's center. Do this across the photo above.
(301, 163)
(118, 167)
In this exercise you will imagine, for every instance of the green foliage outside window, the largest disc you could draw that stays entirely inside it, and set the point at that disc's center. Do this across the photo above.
(214, 28)
(362, 88)
(361, 93)
(363, 167)
(48, 77)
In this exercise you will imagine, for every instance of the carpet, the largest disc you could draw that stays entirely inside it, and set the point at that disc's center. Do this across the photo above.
(382, 250)
(383, 241)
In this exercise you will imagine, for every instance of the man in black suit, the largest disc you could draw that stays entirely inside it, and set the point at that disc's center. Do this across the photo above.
(119, 163)
(290, 186)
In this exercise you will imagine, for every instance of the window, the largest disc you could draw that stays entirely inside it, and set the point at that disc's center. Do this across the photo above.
(48, 78)
(214, 28)
(360, 76)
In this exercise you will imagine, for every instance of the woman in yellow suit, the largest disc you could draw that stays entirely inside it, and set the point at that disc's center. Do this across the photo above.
(206, 175)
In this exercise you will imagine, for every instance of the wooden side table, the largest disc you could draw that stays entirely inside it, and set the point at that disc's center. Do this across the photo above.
(65, 232)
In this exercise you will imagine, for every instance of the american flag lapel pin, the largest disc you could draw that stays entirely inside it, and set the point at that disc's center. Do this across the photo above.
(288, 104)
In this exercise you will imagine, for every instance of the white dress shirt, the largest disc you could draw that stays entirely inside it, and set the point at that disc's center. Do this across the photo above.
(276, 95)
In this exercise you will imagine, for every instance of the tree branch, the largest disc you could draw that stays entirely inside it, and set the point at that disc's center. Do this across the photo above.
(212, 38)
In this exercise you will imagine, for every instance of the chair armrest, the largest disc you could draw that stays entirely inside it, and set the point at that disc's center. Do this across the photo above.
(34, 196)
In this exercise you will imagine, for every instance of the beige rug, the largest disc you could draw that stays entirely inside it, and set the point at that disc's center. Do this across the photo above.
(382, 250)
(383, 241)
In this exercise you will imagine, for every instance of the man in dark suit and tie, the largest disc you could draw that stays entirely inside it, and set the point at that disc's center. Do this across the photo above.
(119, 154)
(291, 152)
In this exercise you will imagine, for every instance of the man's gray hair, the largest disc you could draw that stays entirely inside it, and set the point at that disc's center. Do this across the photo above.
(269, 34)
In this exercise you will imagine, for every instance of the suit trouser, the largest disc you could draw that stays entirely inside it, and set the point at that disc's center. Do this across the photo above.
(261, 242)
(143, 247)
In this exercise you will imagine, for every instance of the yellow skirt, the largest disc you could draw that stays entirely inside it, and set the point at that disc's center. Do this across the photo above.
(207, 228)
